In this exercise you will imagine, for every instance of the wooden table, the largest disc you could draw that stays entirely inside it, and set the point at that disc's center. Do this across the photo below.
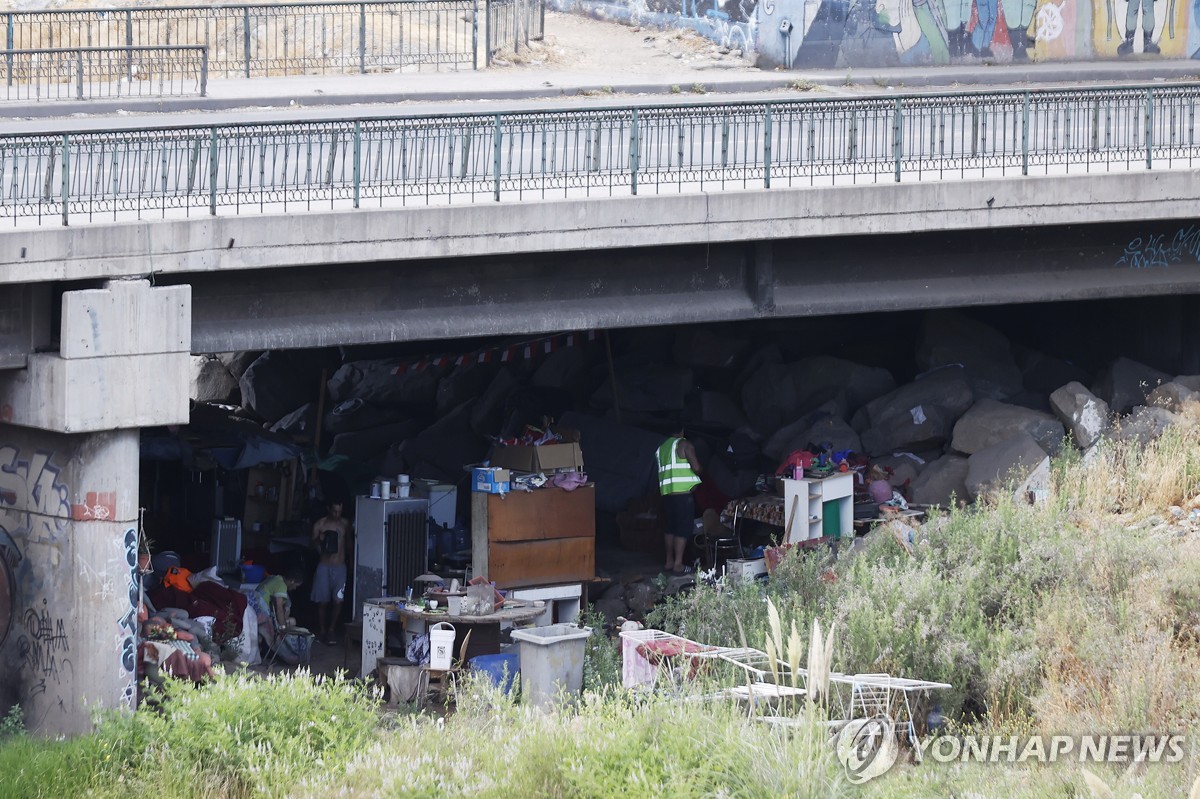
(485, 635)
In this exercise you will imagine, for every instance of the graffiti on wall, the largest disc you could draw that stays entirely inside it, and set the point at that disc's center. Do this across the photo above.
(34, 514)
(1160, 250)
(808, 34)
(10, 559)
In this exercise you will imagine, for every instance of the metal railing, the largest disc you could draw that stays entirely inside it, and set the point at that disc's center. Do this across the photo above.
(513, 23)
(91, 73)
(260, 40)
(179, 171)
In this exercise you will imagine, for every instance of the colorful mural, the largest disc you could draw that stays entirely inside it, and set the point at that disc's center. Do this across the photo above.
(838, 34)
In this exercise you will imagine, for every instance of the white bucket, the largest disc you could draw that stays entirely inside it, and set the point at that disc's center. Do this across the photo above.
(402, 486)
(441, 646)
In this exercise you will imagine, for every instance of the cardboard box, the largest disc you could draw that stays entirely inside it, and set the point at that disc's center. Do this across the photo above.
(566, 456)
(742, 570)
(492, 480)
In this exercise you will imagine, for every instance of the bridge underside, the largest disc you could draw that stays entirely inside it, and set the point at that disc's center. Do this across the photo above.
(341, 304)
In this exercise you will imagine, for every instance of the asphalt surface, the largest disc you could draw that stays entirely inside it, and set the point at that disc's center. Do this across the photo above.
(344, 96)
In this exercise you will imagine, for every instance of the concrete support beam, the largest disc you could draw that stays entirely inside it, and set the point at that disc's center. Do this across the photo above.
(68, 553)
(760, 276)
(124, 363)
(24, 323)
(270, 241)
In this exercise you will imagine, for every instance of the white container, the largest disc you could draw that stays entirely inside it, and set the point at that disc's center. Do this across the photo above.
(402, 486)
(551, 663)
(455, 604)
(385, 489)
(441, 646)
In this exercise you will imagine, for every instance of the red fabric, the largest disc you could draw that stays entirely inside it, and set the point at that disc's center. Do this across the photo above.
(708, 497)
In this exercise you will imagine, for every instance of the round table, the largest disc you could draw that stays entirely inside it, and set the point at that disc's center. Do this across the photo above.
(485, 635)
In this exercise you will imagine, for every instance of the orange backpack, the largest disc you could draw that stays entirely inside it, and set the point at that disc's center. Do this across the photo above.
(177, 577)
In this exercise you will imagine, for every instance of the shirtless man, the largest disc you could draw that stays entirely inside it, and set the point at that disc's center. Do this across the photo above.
(329, 581)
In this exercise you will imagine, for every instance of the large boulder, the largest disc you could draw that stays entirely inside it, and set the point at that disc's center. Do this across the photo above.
(1042, 373)
(1126, 383)
(950, 337)
(942, 482)
(1083, 413)
(1172, 396)
(442, 449)
(363, 445)
(487, 416)
(918, 415)
(1018, 462)
(388, 382)
(274, 386)
(1143, 425)
(565, 368)
(989, 422)
(650, 388)
(1188, 381)
(238, 362)
(213, 382)
(776, 394)
(825, 429)
(713, 410)
(822, 378)
(354, 414)
(463, 383)
(706, 349)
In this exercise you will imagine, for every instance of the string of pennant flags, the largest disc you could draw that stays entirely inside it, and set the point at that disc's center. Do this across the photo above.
(504, 353)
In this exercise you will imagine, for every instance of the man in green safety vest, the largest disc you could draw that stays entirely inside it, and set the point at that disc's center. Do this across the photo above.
(678, 476)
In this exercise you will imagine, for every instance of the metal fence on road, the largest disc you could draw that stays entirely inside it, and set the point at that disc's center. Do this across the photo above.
(91, 73)
(512, 24)
(262, 40)
(93, 176)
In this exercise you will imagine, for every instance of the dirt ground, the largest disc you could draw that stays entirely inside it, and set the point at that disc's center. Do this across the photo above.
(581, 44)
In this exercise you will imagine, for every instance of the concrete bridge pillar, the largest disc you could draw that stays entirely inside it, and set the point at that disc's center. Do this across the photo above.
(69, 498)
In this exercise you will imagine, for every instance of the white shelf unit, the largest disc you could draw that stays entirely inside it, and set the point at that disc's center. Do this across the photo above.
(814, 499)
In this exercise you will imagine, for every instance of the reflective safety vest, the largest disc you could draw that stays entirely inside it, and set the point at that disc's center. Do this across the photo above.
(675, 475)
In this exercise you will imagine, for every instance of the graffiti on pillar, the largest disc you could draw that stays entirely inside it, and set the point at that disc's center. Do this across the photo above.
(34, 504)
(127, 635)
(99, 506)
(10, 558)
(44, 649)
(6, 412)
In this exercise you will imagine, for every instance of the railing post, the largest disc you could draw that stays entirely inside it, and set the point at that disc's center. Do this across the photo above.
(767, 149)
(1149, 128)
(8, 43)
(212, 173)
(487, 32)
(204, 71)
(1025, 138)
(362, 38)
(357, 163)
(475, 34)
(496, 160)
(79, 74)
(129, 45)
(897, 133)
(634, 155)
(246, 37)
(66, 176)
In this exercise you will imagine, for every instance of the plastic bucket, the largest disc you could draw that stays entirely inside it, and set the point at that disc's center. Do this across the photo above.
(441, 646)
(551, 662)
(502, 669)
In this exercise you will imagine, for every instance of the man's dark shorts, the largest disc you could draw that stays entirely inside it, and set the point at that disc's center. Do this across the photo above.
(681, 515)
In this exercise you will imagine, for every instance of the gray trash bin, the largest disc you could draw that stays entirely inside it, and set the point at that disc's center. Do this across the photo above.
(551, 662)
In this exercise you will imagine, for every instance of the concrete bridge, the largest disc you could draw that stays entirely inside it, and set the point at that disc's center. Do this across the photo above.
(126, 250)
